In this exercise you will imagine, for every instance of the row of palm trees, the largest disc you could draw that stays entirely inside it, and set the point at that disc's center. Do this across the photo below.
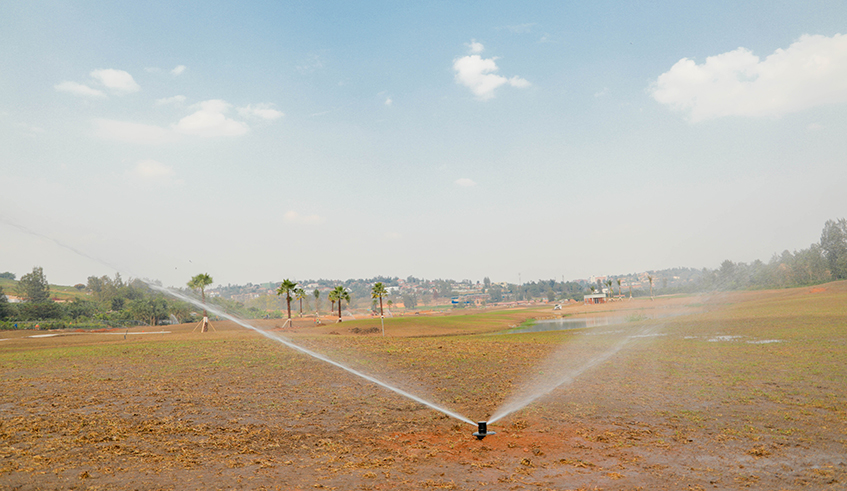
(337, 295)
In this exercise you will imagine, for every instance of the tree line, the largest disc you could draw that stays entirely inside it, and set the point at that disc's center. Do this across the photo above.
(108, 302)
(111, 301)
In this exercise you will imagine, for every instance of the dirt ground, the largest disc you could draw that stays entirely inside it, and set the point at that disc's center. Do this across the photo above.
(746, 390)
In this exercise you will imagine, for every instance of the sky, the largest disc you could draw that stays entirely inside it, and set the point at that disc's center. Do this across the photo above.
(256, 141)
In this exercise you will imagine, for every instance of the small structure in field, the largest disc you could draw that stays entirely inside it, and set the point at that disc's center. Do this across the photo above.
(595, 298)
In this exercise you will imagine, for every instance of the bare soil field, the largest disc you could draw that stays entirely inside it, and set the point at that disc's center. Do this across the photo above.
(743, 390)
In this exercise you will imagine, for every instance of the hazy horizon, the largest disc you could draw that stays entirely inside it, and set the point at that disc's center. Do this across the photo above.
(265, 141)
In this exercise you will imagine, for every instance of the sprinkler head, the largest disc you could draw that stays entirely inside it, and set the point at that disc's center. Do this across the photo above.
(483, 430)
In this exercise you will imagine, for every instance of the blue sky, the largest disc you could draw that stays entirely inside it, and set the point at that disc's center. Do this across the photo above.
(276, 140)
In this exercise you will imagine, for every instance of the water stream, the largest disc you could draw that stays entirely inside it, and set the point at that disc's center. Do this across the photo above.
(292, 345)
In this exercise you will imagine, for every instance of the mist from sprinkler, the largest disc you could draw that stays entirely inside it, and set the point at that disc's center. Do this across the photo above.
(542, 388)
(292, 345)
(482, 426)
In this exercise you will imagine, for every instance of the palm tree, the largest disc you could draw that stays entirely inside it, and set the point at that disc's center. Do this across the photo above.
(651, 286)
(379, 291)
(609, 284)
(317, 294)
(339, 294)
(619, 286)
(300, 294)
(200, 282)
(287, 288)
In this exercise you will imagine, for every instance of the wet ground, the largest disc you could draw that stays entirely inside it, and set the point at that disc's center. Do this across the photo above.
(749, 393)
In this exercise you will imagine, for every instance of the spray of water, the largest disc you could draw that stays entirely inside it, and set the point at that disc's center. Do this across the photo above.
(290, 344)
(247, 325)
(543, 387)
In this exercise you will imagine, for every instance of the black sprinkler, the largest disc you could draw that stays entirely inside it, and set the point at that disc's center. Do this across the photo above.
(483, 430)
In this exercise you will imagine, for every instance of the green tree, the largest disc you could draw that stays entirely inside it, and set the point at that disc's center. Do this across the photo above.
(80, 308)
(32, 311)
(339, 294)
(379, 292)
(200, 282)
(5, 307)
(287, 288)
(149, 310)
(410, 301)
(834, 246)
(33, 287)
(495, 293)
(317, 294)
(7, 276)
(300, 294)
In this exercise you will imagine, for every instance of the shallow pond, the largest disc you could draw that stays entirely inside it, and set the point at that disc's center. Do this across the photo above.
(565, 324)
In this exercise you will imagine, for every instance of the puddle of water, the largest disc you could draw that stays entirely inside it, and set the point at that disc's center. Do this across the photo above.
(566, 324)
(722, 338)
(133, 333)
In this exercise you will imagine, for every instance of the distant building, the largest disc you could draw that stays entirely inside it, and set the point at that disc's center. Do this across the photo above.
(595, 298)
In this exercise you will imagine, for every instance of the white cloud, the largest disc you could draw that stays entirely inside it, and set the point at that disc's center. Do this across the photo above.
(262, 111)
(78, 89)
(294, 217)
(809, 73)
(477, 74)
(178, 70)
(465, 182)
(209, 121)
(117, 80)
(153, 172)
(388, 101)
(475, 47)
(151, 169)
(175, 100)
(127, 132)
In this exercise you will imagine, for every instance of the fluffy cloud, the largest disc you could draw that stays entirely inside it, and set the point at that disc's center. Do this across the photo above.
(261, 111)
(465, 182)
(78, 89)
(477, 74)
(294, 217)
(210, 121)
(811, 72)
(176, 100)
(118, 81)
(127, 132)
(178, 70)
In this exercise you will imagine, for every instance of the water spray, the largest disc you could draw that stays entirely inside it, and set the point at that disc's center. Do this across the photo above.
(313, 354)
